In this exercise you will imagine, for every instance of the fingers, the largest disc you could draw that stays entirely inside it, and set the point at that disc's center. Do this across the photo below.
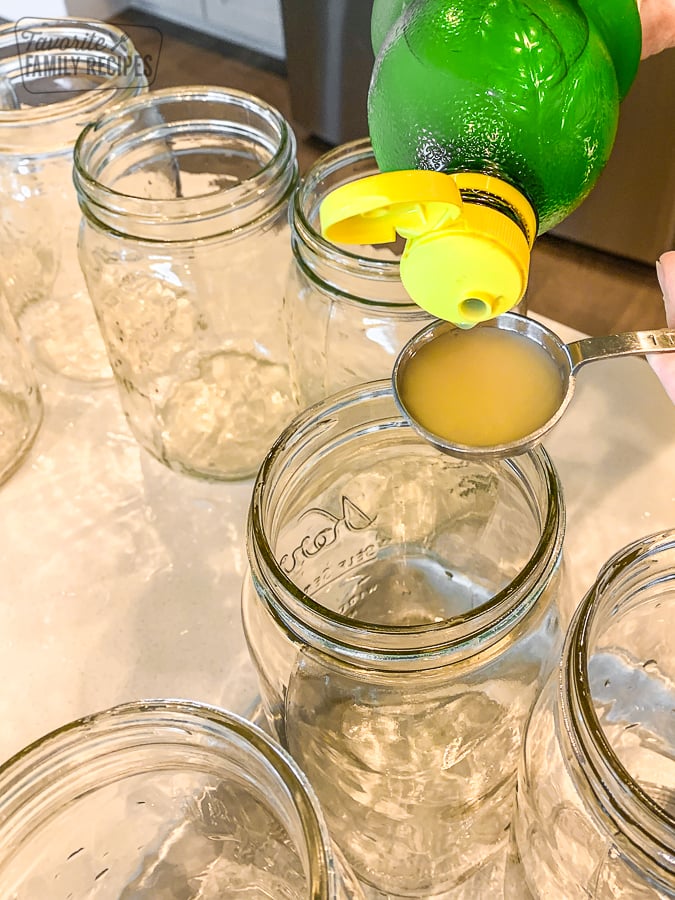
(665, 272)
(664, 363)
(658, 25)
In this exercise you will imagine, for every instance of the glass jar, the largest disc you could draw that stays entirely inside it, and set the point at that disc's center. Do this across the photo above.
(57, 75)
(184, 245)
(347, 313)
(596, 794)
(401, 613)
(20, 400)
(162, 799)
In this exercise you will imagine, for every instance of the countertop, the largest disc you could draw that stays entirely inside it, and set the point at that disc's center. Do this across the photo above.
(121, 579)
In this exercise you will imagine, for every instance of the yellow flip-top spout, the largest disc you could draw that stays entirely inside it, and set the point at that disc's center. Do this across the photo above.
(466, 258)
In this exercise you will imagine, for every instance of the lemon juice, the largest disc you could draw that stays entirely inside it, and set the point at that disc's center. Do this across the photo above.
(481, 388)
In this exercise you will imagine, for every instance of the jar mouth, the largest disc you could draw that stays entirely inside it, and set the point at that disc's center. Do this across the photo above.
(401, 306)
(208, 735)
(91, 61)
(341, 165)
(605, 653)
(484, 624)
(217, 159)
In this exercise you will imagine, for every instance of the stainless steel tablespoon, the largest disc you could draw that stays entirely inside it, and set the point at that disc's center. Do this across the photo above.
(568, 358)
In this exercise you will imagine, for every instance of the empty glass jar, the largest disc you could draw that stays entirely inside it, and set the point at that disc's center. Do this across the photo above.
(402, 615)
(596, 792)
(162, 800)
(20, 401)
(347, 313)
(56, 76)
(184, 245)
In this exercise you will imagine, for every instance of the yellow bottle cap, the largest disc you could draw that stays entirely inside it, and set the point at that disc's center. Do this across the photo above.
(373, 210)
(464, 261)
(490, 186)
(474, 271)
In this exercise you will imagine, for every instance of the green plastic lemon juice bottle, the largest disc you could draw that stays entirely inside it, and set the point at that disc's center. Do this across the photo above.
(516, 103)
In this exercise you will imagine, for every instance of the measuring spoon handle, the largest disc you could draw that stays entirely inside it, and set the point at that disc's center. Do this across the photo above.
(629, 343)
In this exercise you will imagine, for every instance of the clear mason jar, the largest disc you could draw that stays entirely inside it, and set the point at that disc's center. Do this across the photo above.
(164, 800)
(401, 612)
(347, 312)
(20, 400)
(56, 76)
(596, 792)
(184, 245)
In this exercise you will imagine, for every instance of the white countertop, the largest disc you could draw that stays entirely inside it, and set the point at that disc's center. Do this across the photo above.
(121, 580)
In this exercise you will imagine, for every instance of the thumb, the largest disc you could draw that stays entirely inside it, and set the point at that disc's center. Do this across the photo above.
(664, 363)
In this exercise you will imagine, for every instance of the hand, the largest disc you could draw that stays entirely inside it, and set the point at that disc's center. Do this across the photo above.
(658, 25)
(664, 363)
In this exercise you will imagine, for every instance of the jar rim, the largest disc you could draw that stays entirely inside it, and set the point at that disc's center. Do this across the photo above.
(98, 198)
(405, 308)
(85, 102)
(621, 797)
(180, 717)
(499, 615)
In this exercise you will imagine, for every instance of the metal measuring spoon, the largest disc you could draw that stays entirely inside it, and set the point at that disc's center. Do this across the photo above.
(568, 358)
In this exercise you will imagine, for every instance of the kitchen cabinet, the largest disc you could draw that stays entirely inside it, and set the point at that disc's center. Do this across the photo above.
(253, 23)
(631, 210)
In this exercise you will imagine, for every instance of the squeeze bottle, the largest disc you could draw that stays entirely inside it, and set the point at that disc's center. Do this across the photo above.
(490, 120)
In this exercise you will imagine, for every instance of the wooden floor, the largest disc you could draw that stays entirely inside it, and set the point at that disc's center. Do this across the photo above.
(589, 290)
